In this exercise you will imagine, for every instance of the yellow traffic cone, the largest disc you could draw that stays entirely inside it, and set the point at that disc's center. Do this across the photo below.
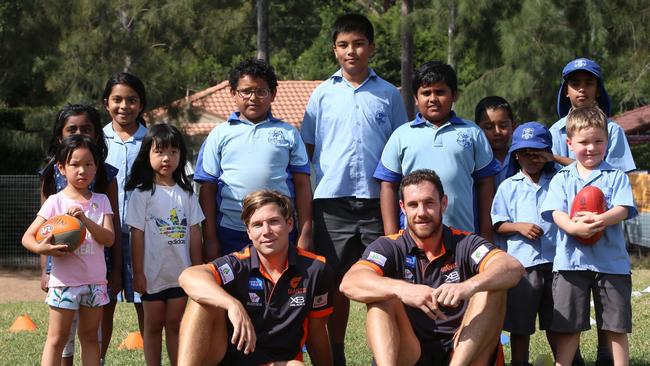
(23, 323)
(132, 341)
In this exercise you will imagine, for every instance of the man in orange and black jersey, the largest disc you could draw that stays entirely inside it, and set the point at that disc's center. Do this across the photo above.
(435, 295)
(276, 297)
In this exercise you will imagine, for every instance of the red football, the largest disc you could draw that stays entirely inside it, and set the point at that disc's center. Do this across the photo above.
(589, 199)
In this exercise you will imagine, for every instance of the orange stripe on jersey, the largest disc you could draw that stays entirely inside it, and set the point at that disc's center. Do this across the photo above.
(243, 254)
(492, 253)
(213, 268)
(373, 266)
(458, 231)
(396, 235)
(321, 313)
(308, 254)
(305, 330)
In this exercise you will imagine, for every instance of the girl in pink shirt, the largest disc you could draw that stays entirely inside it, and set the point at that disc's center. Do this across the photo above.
(78, 279)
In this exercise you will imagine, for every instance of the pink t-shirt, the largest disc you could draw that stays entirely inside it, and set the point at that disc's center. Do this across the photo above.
(86, 265)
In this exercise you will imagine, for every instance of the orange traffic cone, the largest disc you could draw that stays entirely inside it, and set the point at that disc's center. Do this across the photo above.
(23, 323)
(132, 341)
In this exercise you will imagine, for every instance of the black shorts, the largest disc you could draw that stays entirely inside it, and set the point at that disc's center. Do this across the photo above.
(170, 293)
(344, 227)
(532, 296)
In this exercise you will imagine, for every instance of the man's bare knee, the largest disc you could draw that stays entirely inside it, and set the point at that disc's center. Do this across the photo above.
(202, 335)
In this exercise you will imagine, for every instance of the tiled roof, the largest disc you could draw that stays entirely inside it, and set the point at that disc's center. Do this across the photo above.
(635, 120)
(289, 105)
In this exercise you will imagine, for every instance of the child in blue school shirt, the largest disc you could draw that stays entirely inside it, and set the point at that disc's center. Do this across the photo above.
(582, 85)
(521, 230)
(251, 151)
(602, 269)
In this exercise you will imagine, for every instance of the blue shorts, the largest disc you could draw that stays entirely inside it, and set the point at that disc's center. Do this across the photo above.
(127, 294)
(234, 240)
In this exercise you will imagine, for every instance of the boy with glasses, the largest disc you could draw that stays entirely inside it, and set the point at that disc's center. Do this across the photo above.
(250, 151)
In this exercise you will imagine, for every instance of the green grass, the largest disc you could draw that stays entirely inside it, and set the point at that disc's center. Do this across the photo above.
(25, 348)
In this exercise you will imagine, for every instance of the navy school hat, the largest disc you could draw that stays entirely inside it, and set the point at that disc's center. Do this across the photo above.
(590, 66)
(530, 135)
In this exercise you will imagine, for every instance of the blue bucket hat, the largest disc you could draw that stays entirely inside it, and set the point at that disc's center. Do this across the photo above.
(530, 135)
(590, 66)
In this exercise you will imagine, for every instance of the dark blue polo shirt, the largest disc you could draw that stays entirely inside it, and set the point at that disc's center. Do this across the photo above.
(463, 256)
(279, 311)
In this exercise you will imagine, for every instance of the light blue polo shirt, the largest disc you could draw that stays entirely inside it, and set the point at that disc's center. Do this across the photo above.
(455, 151)
(122, 154)
(608, 255)
(519, 199)
(349, 127)
(242, 157)
(618, 153)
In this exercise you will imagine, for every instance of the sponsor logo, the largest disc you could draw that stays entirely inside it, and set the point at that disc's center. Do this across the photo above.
(255, 283)
(295, 282)
(297, 301)
(452, 277)
(448, 267)
(320, 300)
(410, 261)
(479, 253)
(226, 273)
(255, 299)
(299, 290)
(377, 258)
(176, 242)
(408, 275)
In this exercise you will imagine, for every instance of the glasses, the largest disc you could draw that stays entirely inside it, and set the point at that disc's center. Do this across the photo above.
(260, 93)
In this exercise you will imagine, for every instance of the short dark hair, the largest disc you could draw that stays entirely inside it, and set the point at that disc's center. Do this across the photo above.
(419, 176)
(256, 200)
(353, 23)
(256, 68)
(432, 72)
(490, 103)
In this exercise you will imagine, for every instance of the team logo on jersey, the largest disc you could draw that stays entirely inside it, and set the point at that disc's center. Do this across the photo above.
(377, 258)
(298, 300)
(448, 267)
(320, 301)
(479, 253)
(255, 299)
(410, 261)
(295, 281)
(255, 283)
(226, 273)
(464, 140)
(527, 133)
(276, 137)
(451, 277)
(380, 117)
(408, 275)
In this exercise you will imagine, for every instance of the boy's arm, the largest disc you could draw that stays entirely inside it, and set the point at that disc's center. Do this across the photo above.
(389, 206)
(527, 229)
(196, 257)
(310, 151)
(613, 216)
(485, 190)
(581, 228)
(304, 210)
(318, 343)
(137, 258)
(208, 202)
(562, 160)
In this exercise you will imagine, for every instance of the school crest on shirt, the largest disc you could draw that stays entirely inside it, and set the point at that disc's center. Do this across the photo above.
(464, 140)
(380, 117)
(276, 137)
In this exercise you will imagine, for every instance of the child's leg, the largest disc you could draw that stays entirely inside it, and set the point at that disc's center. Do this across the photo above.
(154, 320)
(566, 346)
(519, 349)
(58, 331)
(619, 346)
(173, 316)
(107, 326)
(89, 320)
(67, 357)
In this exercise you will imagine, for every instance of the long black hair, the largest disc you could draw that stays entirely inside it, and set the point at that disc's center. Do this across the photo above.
(131, 81)
(71, 143)
(70, 110)
(142, 174)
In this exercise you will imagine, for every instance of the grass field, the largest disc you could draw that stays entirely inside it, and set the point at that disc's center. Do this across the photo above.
(25, 348)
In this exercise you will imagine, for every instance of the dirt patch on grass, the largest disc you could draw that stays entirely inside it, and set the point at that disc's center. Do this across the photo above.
(18, 285)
